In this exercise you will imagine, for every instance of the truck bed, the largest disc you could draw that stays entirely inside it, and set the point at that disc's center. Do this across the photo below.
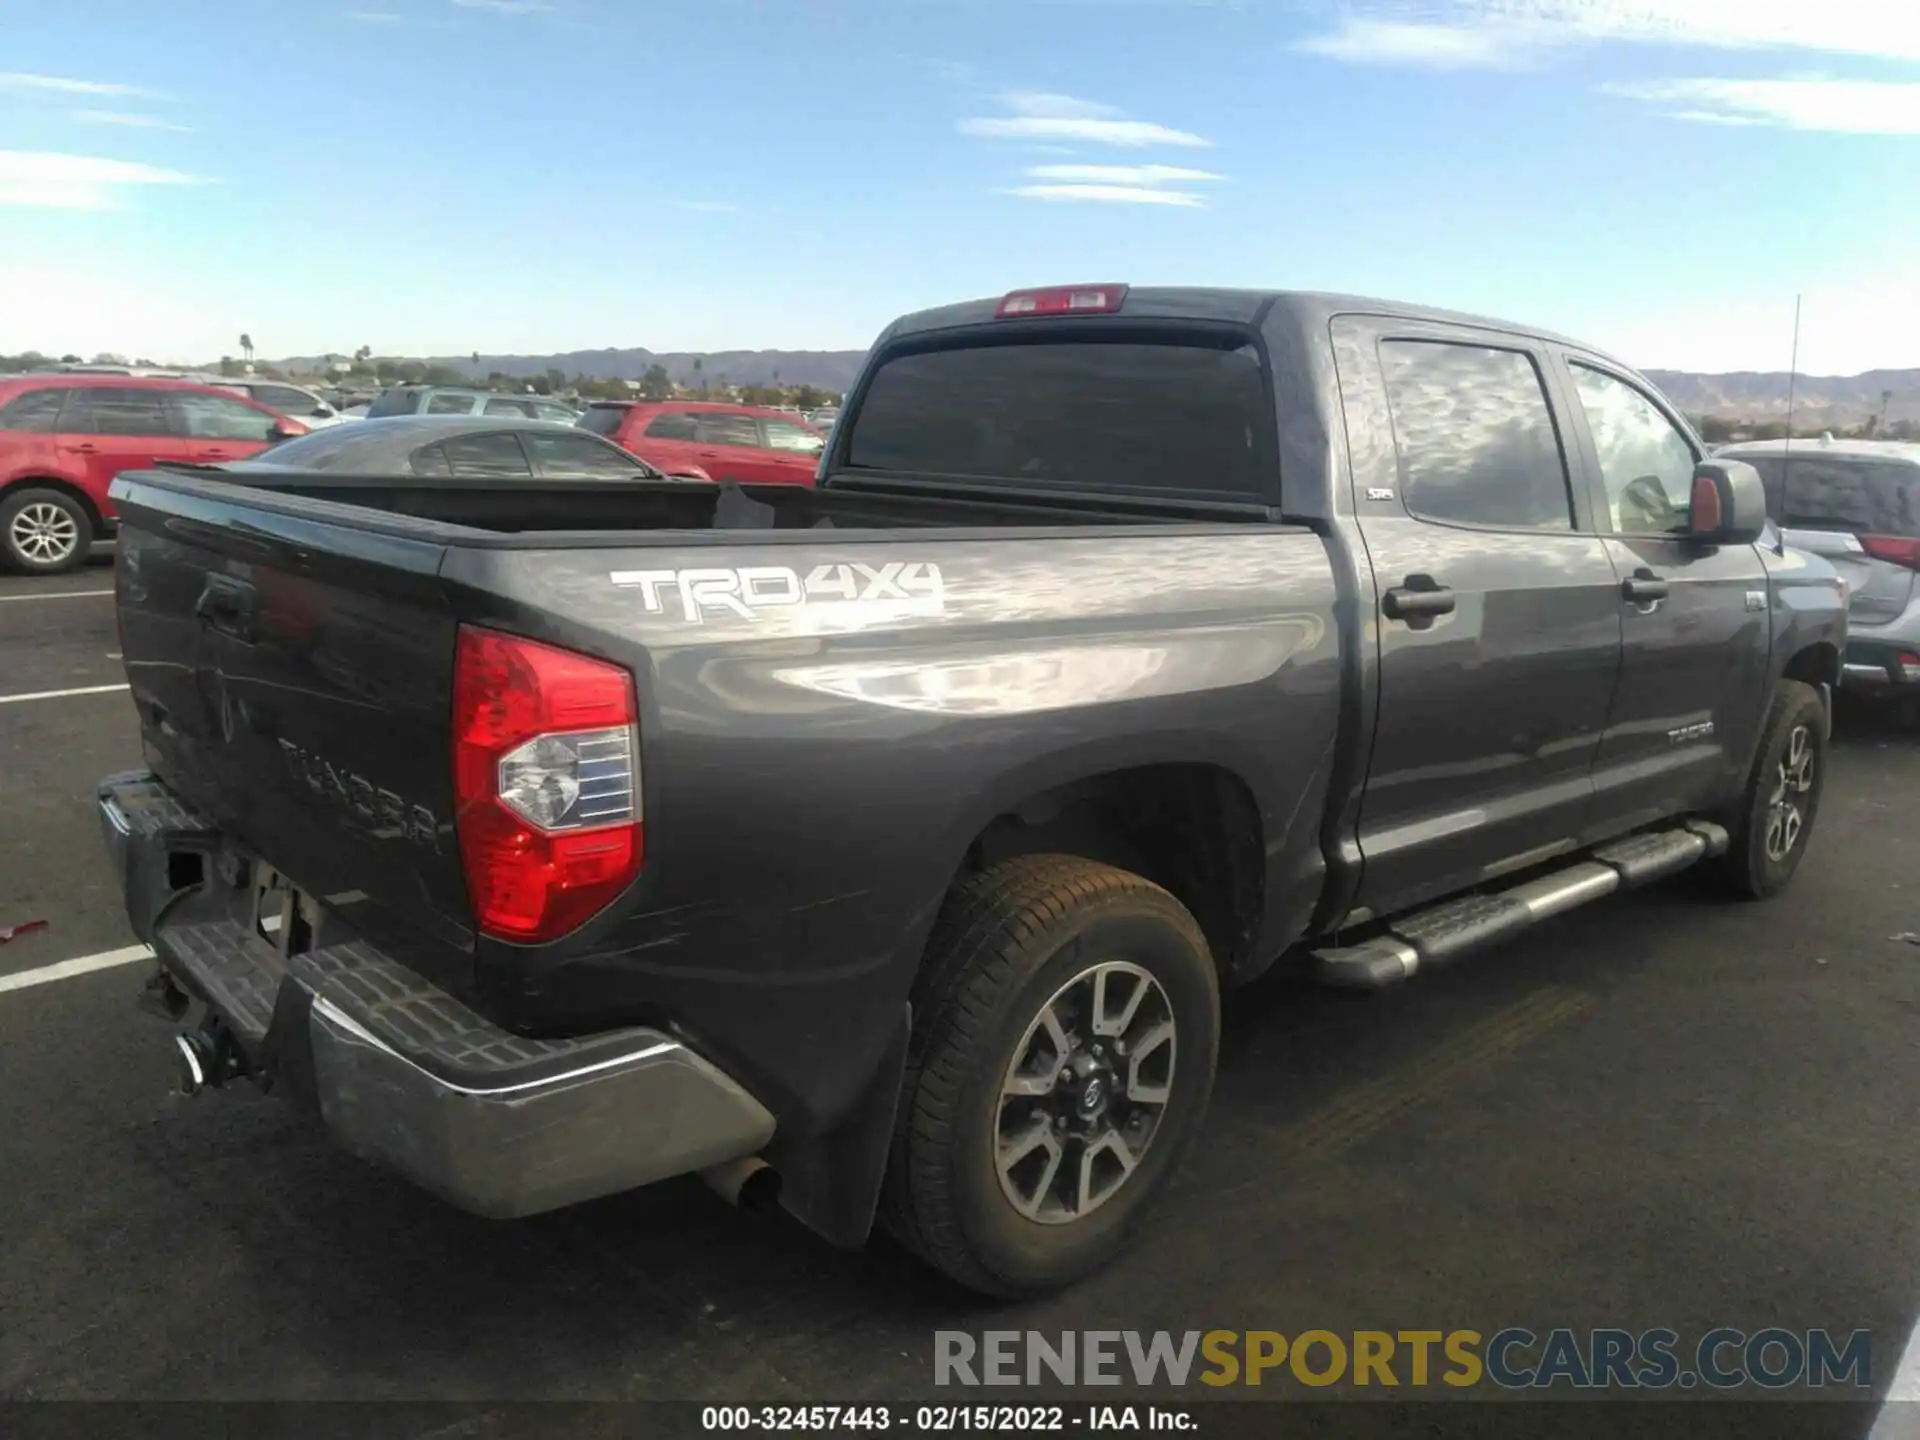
(838, 693)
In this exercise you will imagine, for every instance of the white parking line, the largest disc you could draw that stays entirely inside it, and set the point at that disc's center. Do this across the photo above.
(67, 969)
(56, 595)
(62, 694)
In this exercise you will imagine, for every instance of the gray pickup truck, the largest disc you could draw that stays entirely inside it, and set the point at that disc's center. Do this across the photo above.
(885, 846)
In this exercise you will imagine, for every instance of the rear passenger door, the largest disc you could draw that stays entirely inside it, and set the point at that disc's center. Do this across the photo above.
(1693, 669)
(667, 442)
(1496, 608)
(728, 447)
(105, 429)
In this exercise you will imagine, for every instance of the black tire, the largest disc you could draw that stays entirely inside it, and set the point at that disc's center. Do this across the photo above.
(43, 531)
(1008, 944)
(1756, 864)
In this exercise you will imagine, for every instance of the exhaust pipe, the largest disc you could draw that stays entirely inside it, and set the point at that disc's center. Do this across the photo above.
(193, 1057)
(748, 1184)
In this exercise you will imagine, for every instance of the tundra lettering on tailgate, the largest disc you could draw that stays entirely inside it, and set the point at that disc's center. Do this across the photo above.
(883, 592)
(364, 806)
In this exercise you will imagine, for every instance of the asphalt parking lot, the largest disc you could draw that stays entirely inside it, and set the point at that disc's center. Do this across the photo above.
(1661, 1111)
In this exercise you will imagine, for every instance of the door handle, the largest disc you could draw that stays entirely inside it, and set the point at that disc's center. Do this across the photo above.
(1643, 587)
(709, 454)
(84, 449)
(1418, 601)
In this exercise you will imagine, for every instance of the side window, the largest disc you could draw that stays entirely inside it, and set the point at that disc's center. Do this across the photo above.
(782, 435)
(430, 460)
(1475, 437)
(37, 412)
(1646, 462)
(671, 427)
(518, 408)
(577, 455)
(286, 399)
(394, 402)
(726, 430)
(119, 412)
(496, 454)
(219, 417)
(450, 405)
(603, 419)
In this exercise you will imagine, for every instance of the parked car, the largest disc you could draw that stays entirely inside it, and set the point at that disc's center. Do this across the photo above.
(890, 842)
(64, 436)
(451, 400)
(824, 420)
(463, 447)
(729, 442)
(289, 399)
(1857, 503)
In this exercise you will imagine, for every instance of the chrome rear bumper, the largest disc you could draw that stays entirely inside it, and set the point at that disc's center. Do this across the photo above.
(406, 1074)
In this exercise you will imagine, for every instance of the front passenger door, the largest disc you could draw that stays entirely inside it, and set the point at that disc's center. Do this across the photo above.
(1693, 669)
(1497, 613)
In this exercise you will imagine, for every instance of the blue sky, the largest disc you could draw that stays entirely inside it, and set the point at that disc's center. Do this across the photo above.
(438, 176)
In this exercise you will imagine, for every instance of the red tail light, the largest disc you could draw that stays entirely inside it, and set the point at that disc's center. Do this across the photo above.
(546, 780)
(1063, 300)
(1894, 549)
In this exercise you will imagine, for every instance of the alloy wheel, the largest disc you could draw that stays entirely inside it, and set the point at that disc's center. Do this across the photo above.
(1084, 1094)
(1788, 805)
(44, 533)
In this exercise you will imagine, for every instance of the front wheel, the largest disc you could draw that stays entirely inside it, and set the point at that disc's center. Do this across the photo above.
(43, 531)
(1066, 1025)
(1774, 817)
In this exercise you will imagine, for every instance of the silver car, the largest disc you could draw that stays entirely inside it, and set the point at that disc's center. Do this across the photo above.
(1856, 503)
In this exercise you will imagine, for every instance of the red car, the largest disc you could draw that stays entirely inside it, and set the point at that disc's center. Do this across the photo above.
(725, 442)
(63, 437)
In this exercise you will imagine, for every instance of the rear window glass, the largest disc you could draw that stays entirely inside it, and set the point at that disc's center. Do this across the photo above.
(1177, 419)
(445, 404)
(393, 402)
(1867, 497)
(603, 419)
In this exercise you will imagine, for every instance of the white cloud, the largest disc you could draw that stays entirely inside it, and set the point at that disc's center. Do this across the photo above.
(17, 80)
(128, 119)
(1131, 134)
(1434, 47)
(1503, 32)
(75, 182)
(506, 7)
(1044, 105)
(1854, 107)
(1120, 174)
(1109, 194)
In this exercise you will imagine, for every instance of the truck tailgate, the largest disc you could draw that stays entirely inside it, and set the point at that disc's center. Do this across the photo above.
(293, 679)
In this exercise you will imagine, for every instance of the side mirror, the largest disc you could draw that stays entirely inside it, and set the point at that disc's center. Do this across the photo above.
(287, 430)
(1729, 503)
(324, 412)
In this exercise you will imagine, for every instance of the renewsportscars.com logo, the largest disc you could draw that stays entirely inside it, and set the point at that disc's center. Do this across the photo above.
(1511, 1359)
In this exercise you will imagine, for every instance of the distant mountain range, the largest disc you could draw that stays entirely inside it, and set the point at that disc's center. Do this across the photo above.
(1762, 395)
(1744, 395)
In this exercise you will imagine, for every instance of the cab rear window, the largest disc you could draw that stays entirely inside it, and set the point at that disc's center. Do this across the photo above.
(1181, 419)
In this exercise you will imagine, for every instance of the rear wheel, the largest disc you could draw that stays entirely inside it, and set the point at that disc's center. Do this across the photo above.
(1065, 1030)
(43, 531)
(1774, 819)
